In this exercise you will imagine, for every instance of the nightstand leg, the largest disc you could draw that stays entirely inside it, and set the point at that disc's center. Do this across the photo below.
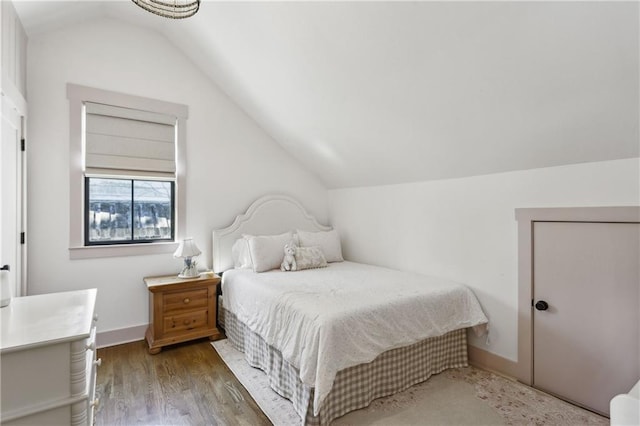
(216, 336)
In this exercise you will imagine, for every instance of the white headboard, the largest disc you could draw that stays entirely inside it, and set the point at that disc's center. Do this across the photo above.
(268, 215)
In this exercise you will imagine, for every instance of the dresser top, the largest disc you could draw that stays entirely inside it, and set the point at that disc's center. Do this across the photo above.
(31, 321)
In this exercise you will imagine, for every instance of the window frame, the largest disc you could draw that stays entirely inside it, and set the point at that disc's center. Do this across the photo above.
(132, 179)
(77, 96)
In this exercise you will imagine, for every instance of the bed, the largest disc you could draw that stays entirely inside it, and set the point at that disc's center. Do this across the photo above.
(334, 335)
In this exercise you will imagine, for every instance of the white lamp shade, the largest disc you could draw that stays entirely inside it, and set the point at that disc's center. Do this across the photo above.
(187, 248)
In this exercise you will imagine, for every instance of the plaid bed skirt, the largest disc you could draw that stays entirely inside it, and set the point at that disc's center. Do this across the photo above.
(354, 387)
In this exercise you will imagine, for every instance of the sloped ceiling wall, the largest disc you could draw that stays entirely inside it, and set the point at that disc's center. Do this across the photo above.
(370, 93)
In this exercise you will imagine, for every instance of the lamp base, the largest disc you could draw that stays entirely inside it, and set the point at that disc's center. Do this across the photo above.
(189, 274)
(189, 270)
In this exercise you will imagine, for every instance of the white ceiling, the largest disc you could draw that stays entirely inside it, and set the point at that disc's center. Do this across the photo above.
(368, 93)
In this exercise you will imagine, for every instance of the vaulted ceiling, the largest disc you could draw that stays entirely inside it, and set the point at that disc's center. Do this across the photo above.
(369, 93)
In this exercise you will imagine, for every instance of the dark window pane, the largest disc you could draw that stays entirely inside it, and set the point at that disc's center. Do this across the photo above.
(109, 212)
(152, 210)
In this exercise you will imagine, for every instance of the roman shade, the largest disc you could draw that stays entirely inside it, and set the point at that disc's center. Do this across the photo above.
(125, 141)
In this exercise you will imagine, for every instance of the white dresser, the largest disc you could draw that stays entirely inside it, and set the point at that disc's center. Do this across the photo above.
(48, 359)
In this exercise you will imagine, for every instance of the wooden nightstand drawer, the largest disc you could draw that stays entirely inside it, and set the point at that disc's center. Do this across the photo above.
(187, 321)
(185, 300)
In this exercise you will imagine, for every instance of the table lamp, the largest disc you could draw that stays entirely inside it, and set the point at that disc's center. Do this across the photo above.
(187, 250)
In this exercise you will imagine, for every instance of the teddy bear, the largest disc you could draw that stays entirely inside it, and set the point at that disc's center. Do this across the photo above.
(289, 262)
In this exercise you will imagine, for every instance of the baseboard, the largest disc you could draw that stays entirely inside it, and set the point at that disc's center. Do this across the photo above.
(492, 362)
(120, 336)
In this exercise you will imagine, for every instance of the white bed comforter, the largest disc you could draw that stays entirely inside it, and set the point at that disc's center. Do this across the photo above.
(325, 320)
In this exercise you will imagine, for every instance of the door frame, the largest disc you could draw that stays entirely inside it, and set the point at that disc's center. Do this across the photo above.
(14, 102)
(526, 218)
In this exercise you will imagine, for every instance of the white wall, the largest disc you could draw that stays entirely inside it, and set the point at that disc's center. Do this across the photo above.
(465, 229)
(230, 160)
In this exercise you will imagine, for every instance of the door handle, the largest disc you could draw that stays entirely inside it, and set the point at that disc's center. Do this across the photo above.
(541, 305)
(4, 268)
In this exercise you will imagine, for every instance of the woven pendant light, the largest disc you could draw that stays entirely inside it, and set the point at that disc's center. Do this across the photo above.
(176, 9)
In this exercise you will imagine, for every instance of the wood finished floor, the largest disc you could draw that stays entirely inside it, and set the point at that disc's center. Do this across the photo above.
(185, 384)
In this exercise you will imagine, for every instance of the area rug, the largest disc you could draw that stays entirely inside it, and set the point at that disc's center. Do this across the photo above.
(462, 396)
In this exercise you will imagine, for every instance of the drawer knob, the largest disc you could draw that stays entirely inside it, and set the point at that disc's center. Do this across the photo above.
(186, 300)
(187, 322)
(95, 317)
(95, 402)
(91, 346)
(98, 362)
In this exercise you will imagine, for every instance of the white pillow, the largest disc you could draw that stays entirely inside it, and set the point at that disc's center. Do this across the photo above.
(328, 241)
(309, 257)
(267, 251)
(240, 254)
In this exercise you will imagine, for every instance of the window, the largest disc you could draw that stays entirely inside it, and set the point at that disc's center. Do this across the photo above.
(127, 163)
(138, 147)
(126, 211)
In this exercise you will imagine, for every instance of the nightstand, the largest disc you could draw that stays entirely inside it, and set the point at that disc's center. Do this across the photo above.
(181, 309)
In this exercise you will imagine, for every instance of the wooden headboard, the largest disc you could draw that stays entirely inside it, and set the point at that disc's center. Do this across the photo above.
(268, 215)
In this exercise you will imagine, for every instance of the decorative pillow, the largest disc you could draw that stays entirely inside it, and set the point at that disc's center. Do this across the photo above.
(240, 254)
(328, 241)
(310, 257)
(266, 250)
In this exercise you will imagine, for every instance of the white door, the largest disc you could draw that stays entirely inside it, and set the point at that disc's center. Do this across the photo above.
(11, 201)
(587, 340)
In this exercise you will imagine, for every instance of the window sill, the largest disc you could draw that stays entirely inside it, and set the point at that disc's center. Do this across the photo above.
(94, 252)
